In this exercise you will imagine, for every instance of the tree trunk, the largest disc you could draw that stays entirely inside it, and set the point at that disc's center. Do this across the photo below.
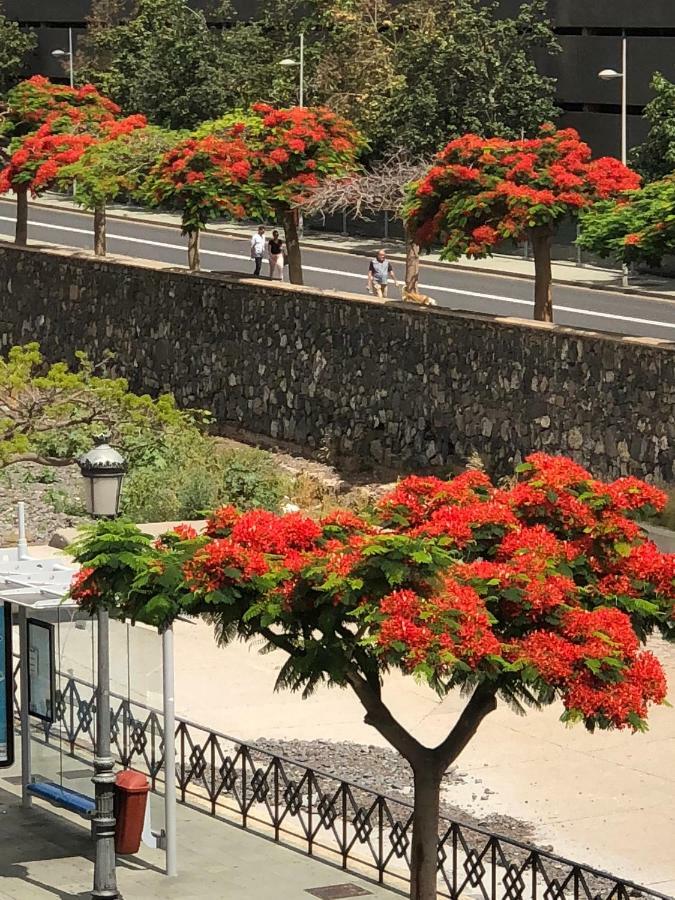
(412, 263)
(428, 765)
(99, 231)
(424, 850)
(290, 219)
(542, 238)
(21, 237)
(193, 250)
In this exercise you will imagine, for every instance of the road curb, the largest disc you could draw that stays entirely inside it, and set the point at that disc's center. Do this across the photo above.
(397, 257)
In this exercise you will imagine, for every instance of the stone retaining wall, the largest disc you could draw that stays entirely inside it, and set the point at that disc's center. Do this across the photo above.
(400, 386)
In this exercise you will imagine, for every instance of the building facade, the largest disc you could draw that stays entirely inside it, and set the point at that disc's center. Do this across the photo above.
(589, 32)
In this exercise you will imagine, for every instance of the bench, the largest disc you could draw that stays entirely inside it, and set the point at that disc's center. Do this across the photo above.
(73, 801)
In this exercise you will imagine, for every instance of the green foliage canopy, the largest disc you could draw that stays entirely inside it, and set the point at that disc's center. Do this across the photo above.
(639, 227)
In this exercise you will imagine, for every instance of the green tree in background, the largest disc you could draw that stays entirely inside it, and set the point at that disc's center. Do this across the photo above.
(15, 45)
(410, 74)
(166, 62)
(655, 158)
(465, 69)
(637, 228)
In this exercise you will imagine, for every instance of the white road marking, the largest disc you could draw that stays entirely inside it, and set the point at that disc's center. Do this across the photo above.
(591, 314)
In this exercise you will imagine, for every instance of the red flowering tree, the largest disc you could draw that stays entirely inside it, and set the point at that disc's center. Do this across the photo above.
(296, 150)
(480, 192)
(113, 168)
(637, 228)
(205, 178)
(46, 126)
(536, 593)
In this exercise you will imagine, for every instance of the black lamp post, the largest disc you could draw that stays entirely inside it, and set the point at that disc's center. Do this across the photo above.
(103, 470)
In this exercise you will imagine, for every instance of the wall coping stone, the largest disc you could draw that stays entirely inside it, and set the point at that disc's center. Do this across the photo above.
(392, 307)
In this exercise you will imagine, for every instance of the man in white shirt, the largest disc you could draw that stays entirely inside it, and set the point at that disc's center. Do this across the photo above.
(258, 247)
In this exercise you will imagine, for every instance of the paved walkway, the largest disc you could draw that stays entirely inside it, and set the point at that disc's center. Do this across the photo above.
(46, 853)
(502, 264)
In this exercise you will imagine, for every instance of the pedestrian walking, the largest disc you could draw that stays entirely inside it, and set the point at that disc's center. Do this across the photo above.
(258, 249)
(276, 252)
(379, 272)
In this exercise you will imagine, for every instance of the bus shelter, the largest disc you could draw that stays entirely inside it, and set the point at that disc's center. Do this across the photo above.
(34, 605)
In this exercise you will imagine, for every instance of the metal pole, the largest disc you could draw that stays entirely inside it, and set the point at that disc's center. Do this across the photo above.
(302, 68)
(624, 99)
(26, 799)
(624, 124)
(169, 751)
(105, 881)
(22, 543)
(70, 57)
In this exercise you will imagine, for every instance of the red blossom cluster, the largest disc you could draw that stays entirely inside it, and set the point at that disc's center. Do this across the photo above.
(482, 191)
(84, 589)
(37, 101)
(50, 126)
(37, 162)
(547, 586)
(223, 563)
(296, 147)
(205, 177)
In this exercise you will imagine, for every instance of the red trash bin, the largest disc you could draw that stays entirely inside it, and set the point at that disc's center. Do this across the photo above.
(131, 797)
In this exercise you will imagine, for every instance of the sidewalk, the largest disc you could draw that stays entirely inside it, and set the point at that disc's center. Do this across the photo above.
(46, 854)
(566, 273)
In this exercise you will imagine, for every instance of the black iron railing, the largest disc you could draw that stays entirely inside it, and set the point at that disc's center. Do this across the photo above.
(344, 823)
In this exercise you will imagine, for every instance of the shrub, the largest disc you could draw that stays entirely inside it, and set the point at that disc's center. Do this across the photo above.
(186, 477)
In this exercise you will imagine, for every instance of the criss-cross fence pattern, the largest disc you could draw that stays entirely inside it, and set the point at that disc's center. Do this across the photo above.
(344, 823)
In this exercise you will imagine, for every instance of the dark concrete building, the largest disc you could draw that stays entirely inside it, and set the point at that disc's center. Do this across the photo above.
(589, 32)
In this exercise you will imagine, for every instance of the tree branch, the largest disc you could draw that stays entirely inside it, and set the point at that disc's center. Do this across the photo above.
(381, 719)
(36, 458)
(483, 701)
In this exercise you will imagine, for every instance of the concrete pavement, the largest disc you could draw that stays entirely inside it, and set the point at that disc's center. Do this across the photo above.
(46, 853)
(331, 265)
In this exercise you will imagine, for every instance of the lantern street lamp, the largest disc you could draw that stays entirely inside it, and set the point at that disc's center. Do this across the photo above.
(103, 470)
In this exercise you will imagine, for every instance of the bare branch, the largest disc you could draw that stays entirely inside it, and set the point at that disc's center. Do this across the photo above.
(36, 458)
(380, 189)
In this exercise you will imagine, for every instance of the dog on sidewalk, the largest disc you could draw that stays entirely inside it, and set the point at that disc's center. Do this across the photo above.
(414, 297)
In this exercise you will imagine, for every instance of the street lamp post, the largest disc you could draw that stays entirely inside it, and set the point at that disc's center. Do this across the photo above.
(611, 75)
(61, 54)
(289, 61)
(103, 470)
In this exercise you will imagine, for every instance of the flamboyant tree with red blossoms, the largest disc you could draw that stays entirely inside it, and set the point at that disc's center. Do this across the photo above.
(292, 151)
(539, 592)
(205, 178)
(296, 150)
(44, 127)
(480, 192)
(112, 168)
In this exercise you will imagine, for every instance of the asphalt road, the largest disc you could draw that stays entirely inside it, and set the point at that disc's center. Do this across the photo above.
(500, 295)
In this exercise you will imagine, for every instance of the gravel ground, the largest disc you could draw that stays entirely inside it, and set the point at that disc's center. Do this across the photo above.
(51, 496)
(385, 772)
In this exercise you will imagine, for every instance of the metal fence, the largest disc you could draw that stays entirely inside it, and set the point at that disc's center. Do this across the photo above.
(344, 823)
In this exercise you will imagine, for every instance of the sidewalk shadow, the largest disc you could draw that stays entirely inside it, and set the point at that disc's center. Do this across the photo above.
(20, 873)
(39, 835)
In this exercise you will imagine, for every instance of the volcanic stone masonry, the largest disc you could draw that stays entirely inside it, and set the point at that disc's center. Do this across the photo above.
(401, 386)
